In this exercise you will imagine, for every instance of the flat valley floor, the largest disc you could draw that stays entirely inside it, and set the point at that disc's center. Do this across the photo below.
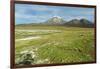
(53, 44)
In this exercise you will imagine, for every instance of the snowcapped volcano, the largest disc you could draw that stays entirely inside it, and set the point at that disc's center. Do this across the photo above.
(56, 17)
(56, 20)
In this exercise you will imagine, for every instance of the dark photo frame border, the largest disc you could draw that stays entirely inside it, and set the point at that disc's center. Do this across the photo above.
(12, 32)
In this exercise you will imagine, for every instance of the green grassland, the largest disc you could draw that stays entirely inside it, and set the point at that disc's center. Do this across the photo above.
(57, 44)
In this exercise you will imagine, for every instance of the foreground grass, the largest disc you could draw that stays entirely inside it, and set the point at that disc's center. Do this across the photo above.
(68, 45)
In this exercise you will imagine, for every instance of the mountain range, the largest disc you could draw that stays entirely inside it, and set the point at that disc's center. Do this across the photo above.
(60, 21)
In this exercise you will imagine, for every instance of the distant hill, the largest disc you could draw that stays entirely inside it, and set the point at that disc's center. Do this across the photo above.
(60, 21)
(79, 23)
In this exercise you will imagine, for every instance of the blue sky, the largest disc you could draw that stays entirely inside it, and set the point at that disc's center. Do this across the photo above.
(25, 13)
